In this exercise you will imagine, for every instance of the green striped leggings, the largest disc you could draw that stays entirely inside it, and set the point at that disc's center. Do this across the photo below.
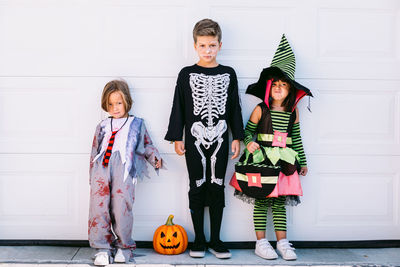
(278, 213)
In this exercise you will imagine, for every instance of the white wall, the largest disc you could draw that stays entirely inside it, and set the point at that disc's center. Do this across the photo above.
(56, 56)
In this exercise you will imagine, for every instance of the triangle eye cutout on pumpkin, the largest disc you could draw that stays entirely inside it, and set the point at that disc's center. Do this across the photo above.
(175, 234)
(162, 234)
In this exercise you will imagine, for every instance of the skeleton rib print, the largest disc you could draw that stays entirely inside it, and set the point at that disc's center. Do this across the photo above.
(209, 94)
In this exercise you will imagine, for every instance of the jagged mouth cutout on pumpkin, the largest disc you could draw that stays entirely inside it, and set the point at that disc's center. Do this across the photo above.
(170, 247)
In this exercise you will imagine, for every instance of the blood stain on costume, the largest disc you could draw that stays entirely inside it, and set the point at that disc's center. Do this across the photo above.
(101, 204)
(92, 223)
(109, 238)
(119, 191)
(146, 139)
(125, 210)
(94, 144)
(104, 189)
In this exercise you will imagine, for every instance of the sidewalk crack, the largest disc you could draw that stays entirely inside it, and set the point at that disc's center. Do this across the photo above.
(75, 254)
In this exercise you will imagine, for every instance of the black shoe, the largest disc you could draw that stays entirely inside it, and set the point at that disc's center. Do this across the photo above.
(219, 250)
(198, 250)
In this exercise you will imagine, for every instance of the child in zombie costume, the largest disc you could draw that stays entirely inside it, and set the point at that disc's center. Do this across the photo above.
(206, 103)
(267, 172)
(120, 149)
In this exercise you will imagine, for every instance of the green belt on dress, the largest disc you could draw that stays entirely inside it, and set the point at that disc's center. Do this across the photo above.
(270, 137)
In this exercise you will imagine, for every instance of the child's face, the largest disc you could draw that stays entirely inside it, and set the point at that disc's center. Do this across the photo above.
(207, 48)
(279, 90)
(116, 107)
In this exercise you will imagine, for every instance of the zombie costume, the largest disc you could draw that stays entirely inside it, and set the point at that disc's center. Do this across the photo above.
(206, 103)
(119, 153)
(268, 176)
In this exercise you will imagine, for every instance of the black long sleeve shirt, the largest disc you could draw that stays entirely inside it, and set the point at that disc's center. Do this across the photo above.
(207, 95)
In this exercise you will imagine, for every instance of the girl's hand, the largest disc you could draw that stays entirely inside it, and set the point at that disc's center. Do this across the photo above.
(158, 163)
(303, 171)
(235, 148)
(180, 148)
(252, 146)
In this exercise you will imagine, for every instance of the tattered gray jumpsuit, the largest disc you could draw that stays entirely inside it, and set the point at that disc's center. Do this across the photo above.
(112, 187)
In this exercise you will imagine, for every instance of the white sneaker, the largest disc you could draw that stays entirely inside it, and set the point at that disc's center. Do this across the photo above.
(265, 250)
(101, 258)
(119, 256)
(284, 248)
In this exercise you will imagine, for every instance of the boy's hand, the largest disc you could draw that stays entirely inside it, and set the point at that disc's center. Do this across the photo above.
(252, 146)
(303, 171)
(180, 148)
(235, 148)
(158, 163)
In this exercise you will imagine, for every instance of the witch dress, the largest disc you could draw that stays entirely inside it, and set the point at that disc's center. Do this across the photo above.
(272, 170)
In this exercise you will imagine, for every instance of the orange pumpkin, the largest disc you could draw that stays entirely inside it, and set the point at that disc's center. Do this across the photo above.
(170, 239)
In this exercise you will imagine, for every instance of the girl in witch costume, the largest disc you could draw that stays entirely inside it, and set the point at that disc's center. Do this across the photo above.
(267, 172)
(121, 146)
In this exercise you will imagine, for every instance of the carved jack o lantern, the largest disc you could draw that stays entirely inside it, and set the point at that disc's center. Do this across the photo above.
(170, 239)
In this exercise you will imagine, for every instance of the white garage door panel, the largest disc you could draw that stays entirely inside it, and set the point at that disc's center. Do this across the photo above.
(52, 115)
(348, 197)
(43, 196)
(131, 32)
(46, 39)
(352, 117)
(362, 45)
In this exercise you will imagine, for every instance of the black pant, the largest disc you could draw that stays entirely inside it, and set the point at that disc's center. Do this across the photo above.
(208, 193)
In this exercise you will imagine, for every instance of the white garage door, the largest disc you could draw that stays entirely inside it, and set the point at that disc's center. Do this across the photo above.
(56, 56)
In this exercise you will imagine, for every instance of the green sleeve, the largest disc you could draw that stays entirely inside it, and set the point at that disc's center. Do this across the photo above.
(249, 132)
(298, 145)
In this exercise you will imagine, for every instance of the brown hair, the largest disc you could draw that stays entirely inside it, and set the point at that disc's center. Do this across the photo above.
(207, 27)
(116, 86)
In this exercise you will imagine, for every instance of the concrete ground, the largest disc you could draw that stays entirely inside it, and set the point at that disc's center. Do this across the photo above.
(33, 256)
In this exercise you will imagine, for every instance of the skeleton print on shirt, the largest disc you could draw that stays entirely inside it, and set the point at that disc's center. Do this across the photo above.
(209, 93)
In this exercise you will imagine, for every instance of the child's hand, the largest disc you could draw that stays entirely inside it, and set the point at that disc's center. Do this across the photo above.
(158, 163)
(303, 171)
(180, 148)
(235, 148)
(252, 146)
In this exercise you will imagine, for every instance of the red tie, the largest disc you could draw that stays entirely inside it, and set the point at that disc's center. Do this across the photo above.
(107, 155)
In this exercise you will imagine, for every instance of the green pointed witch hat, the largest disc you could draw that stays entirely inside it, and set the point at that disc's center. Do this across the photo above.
(283, 65)
(284, 58)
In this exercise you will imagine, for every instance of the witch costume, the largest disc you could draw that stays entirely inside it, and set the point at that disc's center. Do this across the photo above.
(269, 177)
(120, 150)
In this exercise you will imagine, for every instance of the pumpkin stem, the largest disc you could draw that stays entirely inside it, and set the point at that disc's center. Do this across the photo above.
(169, 220)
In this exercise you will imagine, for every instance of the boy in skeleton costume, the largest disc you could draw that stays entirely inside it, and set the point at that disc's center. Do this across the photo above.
(206, 103)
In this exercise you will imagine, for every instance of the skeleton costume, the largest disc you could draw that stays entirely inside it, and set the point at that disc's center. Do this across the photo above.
(119, 153)
(206, 102)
